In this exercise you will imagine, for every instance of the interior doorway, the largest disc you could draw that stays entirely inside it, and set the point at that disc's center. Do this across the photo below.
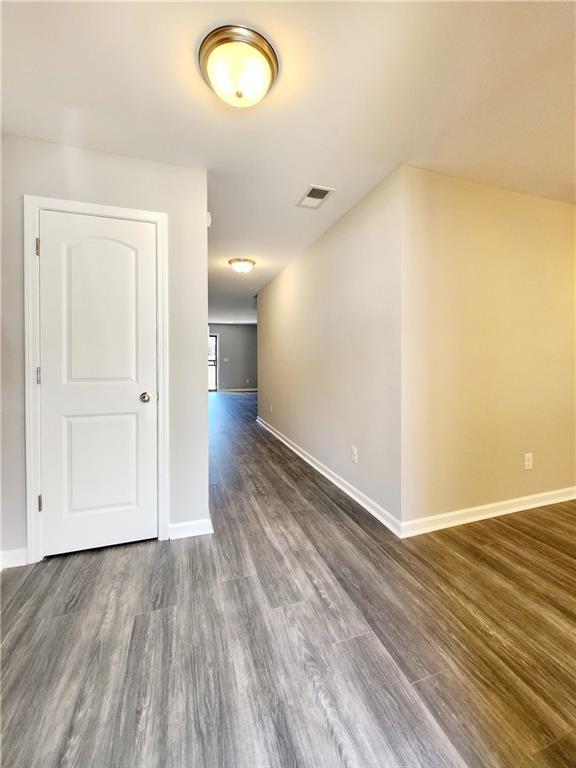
(212, 362)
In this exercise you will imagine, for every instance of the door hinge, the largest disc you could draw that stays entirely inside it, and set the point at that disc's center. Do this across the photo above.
(38, 375)
(40, 503)
(37, 246)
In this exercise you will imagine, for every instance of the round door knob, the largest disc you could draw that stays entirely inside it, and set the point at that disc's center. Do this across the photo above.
(145, 397)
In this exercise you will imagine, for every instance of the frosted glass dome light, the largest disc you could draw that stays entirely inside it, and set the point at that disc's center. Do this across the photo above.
(238, 64)
(242, 265)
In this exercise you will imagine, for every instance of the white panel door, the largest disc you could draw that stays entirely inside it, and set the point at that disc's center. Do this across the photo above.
(98, 356)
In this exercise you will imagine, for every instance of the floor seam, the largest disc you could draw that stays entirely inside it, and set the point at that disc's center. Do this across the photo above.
(432, 674)
(355, 637)
(554, 741)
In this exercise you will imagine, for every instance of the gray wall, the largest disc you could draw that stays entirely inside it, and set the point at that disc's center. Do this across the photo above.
(237, 356)
(54, 170)
(329, 347)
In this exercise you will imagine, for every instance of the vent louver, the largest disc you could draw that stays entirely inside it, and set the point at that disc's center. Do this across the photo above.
(315, 196)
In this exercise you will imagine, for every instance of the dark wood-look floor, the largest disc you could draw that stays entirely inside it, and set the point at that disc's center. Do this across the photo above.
(302, 634)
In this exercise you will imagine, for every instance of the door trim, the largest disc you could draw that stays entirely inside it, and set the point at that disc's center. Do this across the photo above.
(33, 205)
(217, 366)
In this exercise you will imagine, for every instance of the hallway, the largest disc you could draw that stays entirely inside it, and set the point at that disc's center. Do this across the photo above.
(302, 634)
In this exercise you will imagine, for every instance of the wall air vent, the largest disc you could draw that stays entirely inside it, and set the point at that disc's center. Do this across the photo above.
(315, 196)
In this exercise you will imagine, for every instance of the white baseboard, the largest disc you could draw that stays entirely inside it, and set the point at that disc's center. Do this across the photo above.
(406, 528)
(473, 514)
(369, 504)
(191, 528)
(252, 389)
(12, 558)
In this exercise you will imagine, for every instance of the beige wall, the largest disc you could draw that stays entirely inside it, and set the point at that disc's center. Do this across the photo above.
(488, 344)
(52, 170)
(433, 327)
(329, 347)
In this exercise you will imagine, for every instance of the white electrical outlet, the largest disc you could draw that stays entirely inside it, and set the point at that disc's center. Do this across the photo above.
(354, 455)
(528, 461)
(270, 409)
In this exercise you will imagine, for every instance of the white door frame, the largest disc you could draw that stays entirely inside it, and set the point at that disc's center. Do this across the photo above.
(32, 207)
(217, 359)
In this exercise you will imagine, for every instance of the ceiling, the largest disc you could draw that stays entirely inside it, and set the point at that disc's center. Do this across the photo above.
(479, 90)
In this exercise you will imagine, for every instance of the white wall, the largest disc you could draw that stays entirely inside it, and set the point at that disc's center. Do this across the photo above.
(329, 347)
(53, 170)
(432, 327)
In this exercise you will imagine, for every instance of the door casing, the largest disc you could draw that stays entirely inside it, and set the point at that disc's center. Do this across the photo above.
(217, 361)
(32, 207)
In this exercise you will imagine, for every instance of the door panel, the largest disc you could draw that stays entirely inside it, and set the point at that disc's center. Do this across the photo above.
(102, 462)
(98, 354)
(89, 266)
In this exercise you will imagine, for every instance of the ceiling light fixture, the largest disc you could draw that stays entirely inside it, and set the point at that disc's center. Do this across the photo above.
(242, 265)
(238, 64)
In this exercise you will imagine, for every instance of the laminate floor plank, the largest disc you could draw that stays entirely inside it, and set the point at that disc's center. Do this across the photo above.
(314, 486)
(168, 579)
(543, 535)
(539, 657)
(392, 715)
(139, 735)
(10, 581)
(488, 730)
(271, 564)
(393, 617)
(547, 591)
(305, 644)
(302, 634)
(560, 754)
(200, 558)
(305, 492)
(34, 592)
(498, 529)
(475, 638)
(122, 586)
(475, 574)
(87, 740)
(50, 652)
(267, 703)
(315, 581)
(209, 706)
(233, 558)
